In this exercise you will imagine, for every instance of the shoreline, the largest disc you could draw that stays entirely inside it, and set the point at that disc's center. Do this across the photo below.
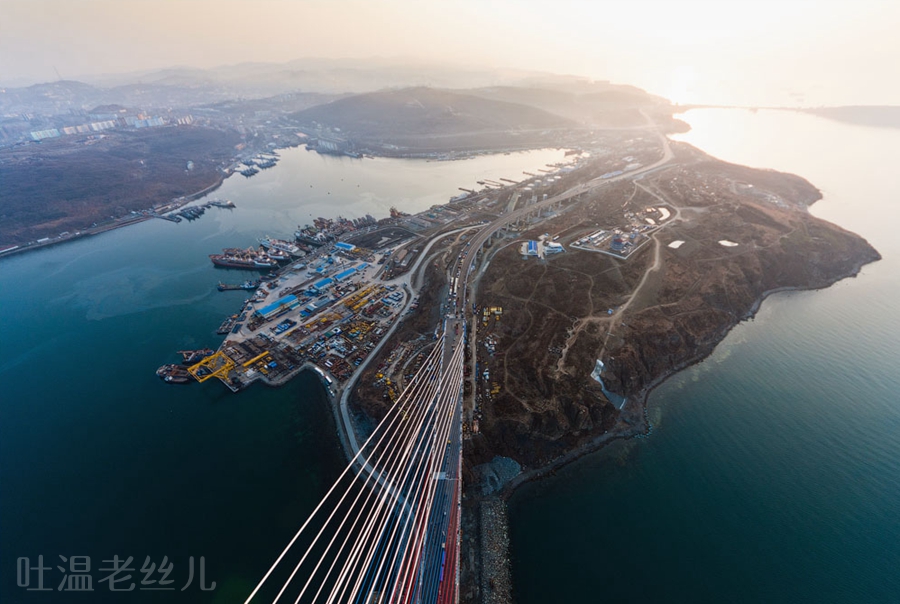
(132, 219)
(601, 441)
(119, 223)
(126, 221)
(503, 564)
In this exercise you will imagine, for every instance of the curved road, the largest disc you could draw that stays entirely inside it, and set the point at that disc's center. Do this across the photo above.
(349, 438)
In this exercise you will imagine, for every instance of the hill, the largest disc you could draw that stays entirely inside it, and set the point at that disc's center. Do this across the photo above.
(60, 186)
(597, 104)
(429, 119)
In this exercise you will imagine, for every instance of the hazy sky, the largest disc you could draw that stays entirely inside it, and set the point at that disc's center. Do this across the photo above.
(713, 51)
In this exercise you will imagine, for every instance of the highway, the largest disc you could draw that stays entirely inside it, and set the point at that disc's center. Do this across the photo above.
(388, 529)
(468, 260)
(384, 532)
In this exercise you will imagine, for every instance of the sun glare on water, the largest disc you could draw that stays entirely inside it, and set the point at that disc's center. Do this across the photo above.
(681, 87)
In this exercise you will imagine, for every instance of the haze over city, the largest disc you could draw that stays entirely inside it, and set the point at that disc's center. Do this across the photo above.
(794, 53)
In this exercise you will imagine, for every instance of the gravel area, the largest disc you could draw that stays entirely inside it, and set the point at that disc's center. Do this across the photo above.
(496, 584)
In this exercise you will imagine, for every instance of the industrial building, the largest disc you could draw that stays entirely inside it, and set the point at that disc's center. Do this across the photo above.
(321, 285)
(277, 307)
(551, 247)
(540, 249)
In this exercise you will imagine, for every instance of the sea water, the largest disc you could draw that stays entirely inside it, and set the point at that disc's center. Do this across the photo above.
(773, 470)
(99, 458)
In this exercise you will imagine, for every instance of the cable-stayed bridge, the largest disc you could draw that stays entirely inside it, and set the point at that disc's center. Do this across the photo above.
(387, 531)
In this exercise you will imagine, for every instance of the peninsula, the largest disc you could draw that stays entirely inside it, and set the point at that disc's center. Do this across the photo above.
(586, 291)
(578, 288)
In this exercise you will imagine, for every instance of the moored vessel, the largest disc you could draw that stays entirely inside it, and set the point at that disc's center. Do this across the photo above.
(174, 374)
(238, 258)
(279, 244)
(190, 357)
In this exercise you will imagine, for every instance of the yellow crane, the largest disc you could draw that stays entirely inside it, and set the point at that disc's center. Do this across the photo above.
(217, 365)
(256, 358)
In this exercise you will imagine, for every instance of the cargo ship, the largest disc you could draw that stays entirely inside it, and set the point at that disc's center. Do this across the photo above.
(227, 261)
(278, 255)
(174, 374)
(309, 236)
(281, 246)
(238, 258)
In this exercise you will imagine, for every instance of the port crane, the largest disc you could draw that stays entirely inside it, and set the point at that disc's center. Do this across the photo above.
(217, 365)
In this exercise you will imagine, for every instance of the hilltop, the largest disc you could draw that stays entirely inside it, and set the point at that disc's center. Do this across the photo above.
(429, 119)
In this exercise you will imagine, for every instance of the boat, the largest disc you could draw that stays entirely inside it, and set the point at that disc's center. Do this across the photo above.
(192, 213)
(261, 262)
(278, 255)
(238, 258)
(221, 204)
(247, 285)
(302, 237)
(229, 261)
(195, 356)
(249, 172)
(174, 374)
(227, 324)
(310, 236)
(280, 245)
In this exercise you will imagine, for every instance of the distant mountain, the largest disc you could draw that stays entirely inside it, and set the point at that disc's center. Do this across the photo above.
(65, 97)
(182, 87)
(50, 98)
(321, 75)
(424, 112)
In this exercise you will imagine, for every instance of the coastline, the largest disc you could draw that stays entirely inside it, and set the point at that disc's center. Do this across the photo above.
(502, 565)
(125, 221)
(642, 397)
(120, 223)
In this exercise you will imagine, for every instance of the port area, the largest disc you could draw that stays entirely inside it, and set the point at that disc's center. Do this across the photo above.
(332, 309)
(326, 312)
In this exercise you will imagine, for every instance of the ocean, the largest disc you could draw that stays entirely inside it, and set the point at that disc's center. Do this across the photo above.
(773, 470)
(101, 459)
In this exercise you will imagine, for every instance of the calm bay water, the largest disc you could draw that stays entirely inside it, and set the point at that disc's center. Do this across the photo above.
(773, 471)
(100, 458)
